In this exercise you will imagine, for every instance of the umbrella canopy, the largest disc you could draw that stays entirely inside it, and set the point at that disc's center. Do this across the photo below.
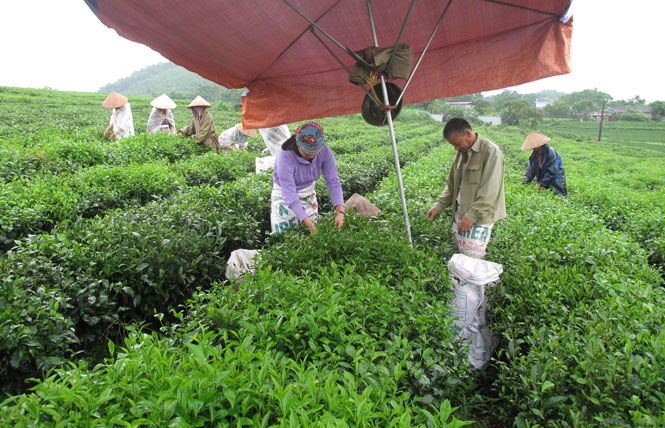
(267, 47)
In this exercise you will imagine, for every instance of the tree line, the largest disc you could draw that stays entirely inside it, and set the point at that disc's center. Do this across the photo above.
(175, 81)
(515, 108)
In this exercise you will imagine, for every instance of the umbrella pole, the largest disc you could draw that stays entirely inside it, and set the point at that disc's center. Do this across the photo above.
(389, 116)
(398, 171)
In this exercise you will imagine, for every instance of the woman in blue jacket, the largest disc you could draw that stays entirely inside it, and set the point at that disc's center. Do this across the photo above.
(545, 164)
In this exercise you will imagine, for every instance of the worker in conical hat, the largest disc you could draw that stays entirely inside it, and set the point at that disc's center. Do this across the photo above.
(121, 119)
(236, 137)
(202, 129)
(545, 164)
(161, 116)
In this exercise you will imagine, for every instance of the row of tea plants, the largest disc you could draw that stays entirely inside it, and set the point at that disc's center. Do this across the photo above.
(88, 277)
(623, 185)
(579, 310)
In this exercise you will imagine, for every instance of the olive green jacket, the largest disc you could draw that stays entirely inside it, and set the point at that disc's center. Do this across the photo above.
(207, 132)
(482, 199)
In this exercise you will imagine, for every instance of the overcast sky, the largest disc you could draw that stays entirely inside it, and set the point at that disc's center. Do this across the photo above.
(617, 48)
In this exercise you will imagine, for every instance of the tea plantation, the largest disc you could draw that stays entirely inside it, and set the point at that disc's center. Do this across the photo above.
(114, 309)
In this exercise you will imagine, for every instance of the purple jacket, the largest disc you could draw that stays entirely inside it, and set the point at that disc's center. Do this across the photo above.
(293, 173)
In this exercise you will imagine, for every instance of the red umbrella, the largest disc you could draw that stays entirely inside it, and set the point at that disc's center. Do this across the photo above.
(267, 47)
(293, 55)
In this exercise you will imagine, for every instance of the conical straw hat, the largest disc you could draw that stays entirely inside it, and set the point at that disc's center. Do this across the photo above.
(534, 140)
(249, 132)
(114, 100)
(199, 102)
(163, 101)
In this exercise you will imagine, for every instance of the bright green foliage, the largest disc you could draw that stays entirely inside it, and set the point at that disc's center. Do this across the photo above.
(621, 184)
(617, 134)
(578, 310)
(136, 233)
(127, 265)
(345, 328)
(37, 204)
(222, 379)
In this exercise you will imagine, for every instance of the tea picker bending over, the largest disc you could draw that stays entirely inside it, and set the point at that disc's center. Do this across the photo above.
(545, 164)
(121, 119)
(303, 158)
(202, 129)
(161, 116)
(474, 188)
(236, 137)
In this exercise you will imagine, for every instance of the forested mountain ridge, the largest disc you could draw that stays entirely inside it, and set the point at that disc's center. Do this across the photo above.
(173, 80)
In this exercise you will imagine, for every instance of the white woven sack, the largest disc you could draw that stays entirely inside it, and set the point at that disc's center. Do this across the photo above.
(241, 262)
(474, 271)
(470, 278)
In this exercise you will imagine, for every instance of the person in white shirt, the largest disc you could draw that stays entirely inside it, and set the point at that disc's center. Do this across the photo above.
(161, 116)
(121, 119)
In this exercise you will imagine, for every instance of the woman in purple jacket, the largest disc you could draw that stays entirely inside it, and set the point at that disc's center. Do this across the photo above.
(303, 158)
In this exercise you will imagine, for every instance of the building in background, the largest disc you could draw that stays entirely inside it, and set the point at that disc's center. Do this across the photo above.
(541, 103)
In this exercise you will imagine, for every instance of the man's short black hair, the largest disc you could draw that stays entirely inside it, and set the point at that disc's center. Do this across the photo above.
(454, 125)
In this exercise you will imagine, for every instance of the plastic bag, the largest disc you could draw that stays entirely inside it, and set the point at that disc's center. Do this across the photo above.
(265, 163)
(473, 243)
(274, 137)
(241, 262)
(282, 219)
(471, 277)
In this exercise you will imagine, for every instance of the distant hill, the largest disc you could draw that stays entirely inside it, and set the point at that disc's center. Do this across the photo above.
(175, 81)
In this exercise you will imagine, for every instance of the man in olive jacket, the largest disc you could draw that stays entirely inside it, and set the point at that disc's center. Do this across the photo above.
(474, 188)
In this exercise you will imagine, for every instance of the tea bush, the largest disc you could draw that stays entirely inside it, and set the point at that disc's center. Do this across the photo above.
(361, 172)
(36, 335)
(209, 378)
(366, 341)
(211, 169)
(614, 132)
(38, 204)
(67, 155)
(579, 310)
(112, 270)
(411, 303)
(338, 328)
(123, 267)
(620, 186)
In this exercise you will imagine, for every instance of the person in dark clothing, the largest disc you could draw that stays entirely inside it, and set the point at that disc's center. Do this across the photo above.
(545, 164)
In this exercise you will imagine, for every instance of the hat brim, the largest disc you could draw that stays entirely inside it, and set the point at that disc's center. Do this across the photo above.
(249, 132)
(199, 102)
(114, 100)
(164, 102)
(534, 140)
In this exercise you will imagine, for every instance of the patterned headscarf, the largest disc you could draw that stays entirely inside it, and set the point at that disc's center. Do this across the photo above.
(310, 137)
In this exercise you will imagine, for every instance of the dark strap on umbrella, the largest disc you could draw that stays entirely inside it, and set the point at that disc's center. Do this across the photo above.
(523, 7)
